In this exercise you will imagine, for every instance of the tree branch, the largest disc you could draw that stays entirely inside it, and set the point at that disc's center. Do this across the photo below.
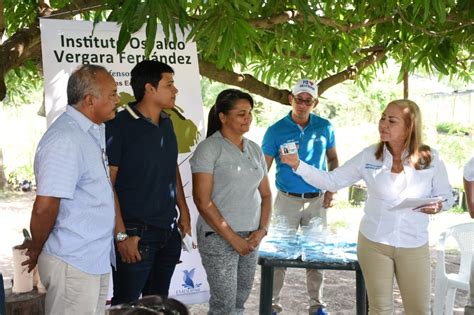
(77, 7)
(245, 81)
(350, 72)
(44, 8)
(366, 50)
(2, 20)
(292, 15)
(26, 43)
(460, 25)
(23, 45)
(251, 84)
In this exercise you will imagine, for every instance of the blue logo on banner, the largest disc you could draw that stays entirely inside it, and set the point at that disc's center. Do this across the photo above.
(188, 279)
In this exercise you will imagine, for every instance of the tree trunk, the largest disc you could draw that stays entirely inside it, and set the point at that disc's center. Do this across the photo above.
(405, 85)
(3, 178)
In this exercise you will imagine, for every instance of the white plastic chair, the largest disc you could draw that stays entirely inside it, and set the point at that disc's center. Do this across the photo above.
(447, 284)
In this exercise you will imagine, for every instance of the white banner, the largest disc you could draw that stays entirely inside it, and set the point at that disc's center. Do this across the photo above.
(68, 44)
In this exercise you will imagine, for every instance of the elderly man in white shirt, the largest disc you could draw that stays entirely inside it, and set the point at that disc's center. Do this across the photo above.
(392, 242)
(469, 189)
(73, 216)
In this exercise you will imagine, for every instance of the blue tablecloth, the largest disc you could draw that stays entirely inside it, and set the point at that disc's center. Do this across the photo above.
(297, 247)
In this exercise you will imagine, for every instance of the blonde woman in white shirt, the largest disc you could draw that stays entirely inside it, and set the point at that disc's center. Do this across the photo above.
(392, 243)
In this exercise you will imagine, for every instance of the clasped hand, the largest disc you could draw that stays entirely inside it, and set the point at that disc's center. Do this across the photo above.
(246, 245)
(31, 253)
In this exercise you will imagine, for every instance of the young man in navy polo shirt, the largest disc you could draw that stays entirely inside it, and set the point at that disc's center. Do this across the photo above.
(296, 200)
(143, 152)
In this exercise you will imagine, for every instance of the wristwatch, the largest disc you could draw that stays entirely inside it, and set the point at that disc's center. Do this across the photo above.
(121, 236)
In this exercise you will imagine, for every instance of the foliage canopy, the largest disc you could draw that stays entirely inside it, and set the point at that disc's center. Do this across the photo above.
(277, 41)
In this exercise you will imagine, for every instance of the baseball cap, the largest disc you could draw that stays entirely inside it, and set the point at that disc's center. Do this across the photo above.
(305, 85)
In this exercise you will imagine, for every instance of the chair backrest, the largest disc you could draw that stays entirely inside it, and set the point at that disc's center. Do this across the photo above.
(464, 236)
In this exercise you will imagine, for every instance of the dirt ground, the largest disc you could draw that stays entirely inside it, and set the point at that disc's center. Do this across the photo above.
(339, 286)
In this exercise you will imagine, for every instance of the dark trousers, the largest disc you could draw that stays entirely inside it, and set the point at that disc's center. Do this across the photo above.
(160, 251)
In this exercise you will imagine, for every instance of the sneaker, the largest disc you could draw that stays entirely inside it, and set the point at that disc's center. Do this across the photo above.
(321, 311)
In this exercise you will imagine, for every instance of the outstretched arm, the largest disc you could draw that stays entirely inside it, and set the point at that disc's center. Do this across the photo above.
(341, 177)
(333, 163)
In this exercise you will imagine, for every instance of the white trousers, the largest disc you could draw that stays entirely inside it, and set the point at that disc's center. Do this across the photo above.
(70, 290)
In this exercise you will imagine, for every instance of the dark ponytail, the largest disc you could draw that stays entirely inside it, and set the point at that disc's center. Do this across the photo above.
(213, 121)
(225, 101)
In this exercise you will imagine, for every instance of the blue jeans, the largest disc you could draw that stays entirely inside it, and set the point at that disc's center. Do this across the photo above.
(160, 250)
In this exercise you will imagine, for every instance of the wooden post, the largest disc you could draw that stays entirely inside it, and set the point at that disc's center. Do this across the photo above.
(405, 85)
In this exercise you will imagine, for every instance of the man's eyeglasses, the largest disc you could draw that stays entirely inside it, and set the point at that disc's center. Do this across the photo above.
(307, 102)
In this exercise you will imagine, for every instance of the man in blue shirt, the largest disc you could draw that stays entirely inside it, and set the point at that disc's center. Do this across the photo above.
(297, 201)
(143, 153)
(72, 221)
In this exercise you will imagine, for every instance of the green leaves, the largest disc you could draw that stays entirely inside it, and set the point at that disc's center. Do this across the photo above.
(279, 41)
(150, 33)
(440, 9)
(19, 14)
(225, 36)
(24, 84)
(134, 14)
(440, 57)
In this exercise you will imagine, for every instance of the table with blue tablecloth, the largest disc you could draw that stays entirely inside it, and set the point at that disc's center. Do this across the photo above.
(297, 253)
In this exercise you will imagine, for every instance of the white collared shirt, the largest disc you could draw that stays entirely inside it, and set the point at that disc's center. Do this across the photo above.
(70, 164)
(403, 228)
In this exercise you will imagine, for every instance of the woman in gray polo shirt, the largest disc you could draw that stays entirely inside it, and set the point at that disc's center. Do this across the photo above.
(232, 193)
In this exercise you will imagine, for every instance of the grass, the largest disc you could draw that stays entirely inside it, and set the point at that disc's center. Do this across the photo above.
(457, 210)
(453, 129)
(344, 204)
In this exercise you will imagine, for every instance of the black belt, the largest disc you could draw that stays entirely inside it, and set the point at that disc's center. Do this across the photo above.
(305, 195)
